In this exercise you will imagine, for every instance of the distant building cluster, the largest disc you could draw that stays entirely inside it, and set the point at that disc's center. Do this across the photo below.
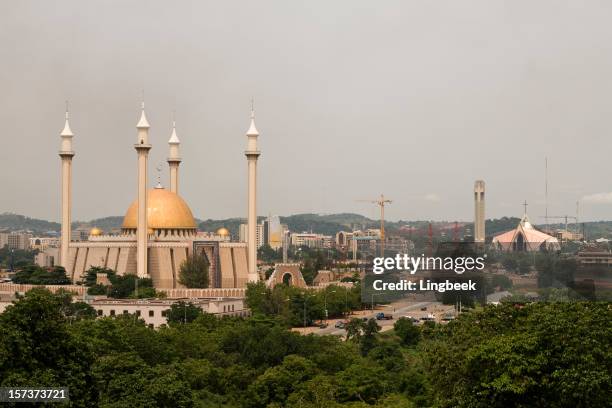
(270, 232)
(15, 240)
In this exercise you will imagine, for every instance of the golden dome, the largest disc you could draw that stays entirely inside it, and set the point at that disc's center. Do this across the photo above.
(165, 210)
(223, 232)
(95, 231)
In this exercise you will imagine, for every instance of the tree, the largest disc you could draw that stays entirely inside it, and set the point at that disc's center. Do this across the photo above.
(408, 332)
(194, 272)
(540, 355)
(35, 275)
(38, 350)
(182, 312)
(91, 276)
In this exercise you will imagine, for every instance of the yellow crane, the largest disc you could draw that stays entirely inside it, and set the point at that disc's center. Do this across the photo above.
(381, 203)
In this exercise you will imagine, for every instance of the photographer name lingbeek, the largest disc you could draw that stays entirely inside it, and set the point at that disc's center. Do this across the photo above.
(424, 285)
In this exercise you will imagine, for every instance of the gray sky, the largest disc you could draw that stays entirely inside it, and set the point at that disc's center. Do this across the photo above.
(415, 99)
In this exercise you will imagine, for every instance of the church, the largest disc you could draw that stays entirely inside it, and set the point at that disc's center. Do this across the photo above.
(159, 231)
(525, 238)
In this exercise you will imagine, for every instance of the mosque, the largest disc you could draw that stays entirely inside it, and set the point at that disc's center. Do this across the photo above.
(159, 231)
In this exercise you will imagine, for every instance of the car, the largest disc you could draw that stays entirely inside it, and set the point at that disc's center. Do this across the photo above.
(383, 316)
(424, 308)
(412, 319)
(448, 318)
(340, 324)
(323, 325)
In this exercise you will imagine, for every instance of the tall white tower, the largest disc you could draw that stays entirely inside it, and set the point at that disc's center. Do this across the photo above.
(252, 155)
(173, 159)
(479, 211)
(142, 147)
(66, 153)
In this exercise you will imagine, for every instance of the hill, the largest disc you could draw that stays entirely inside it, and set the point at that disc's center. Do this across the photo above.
(16, 222)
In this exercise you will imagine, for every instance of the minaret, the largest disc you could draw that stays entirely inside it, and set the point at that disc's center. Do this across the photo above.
(142, 148)
(252, 155)
(173, 159)
(479, 211)
(66, 154)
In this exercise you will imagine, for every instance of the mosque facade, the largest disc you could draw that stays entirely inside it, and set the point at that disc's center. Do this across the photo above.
(159, 231)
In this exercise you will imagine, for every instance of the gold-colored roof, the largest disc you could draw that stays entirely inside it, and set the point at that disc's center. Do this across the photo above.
(223, 231)
(165, 210)
(95, 231)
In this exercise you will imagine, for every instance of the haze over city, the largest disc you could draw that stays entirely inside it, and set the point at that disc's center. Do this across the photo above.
(415, 101)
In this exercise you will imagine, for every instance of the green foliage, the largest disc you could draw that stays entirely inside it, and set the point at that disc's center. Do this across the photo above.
(555, 271)
(38, 350)
(269, 255)
(408, 332)
(292, 305)
(35, 275)
(91, 275)
(183, 312)
(194, 272)
(541, 355)
(17, 258)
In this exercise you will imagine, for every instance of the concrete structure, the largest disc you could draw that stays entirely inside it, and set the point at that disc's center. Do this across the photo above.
(312, 240)
(595, 258)
(252, 154)
(154, 311)
(15, 240)
(66, 154)
(174, 159)
(43, 243)
(48, 258)
(142, 147)
(259, 234)
(289, 274)
(479, 211)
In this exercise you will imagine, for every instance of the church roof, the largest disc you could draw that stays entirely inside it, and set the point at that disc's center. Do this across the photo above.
(532, 237)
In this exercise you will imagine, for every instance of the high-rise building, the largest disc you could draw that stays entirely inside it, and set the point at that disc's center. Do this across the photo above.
(274, 232)
(479, 211)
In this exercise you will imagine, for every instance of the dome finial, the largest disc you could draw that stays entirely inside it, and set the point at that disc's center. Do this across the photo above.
(159, 170)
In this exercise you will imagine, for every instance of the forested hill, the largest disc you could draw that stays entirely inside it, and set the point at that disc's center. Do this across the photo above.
(15, 222)
(328, 224)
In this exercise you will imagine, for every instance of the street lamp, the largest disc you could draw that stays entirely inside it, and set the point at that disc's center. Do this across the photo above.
(325, 301)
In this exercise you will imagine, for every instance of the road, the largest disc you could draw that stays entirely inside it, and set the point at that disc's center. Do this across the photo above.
(397, 309)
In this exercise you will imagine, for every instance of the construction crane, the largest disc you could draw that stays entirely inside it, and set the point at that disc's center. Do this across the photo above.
(381, 203)
(562, 217)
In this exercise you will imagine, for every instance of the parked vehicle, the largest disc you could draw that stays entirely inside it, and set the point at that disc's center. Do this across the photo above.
(323, 325)
(412, 319)
(424, 308)
(340, 324)
(383, 316)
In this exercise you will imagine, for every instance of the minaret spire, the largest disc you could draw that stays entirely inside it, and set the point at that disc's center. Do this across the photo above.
(252, 154)
(174, 159)
(142, 147)
(66, 153)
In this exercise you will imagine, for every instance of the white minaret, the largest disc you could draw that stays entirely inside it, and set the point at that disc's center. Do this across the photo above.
(142, 232)
(66, 154)
(173, 159)
(479, 211)
(252, 155)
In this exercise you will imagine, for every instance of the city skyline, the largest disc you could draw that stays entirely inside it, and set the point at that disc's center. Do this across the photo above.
(416, 105)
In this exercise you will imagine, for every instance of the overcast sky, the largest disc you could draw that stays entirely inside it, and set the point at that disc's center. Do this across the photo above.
(413, 99)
